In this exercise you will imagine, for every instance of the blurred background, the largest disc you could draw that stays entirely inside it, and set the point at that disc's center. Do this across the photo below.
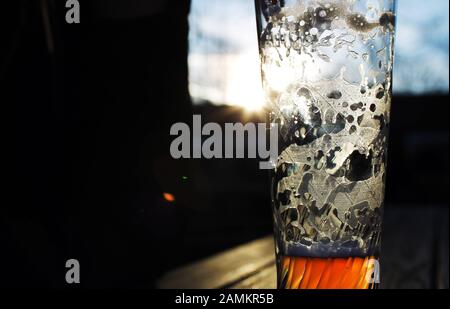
(93, 104)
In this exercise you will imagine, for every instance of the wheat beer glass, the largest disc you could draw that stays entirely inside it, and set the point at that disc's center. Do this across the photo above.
(327, 75)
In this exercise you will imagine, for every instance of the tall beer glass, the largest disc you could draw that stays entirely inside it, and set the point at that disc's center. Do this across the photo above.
(327, 75)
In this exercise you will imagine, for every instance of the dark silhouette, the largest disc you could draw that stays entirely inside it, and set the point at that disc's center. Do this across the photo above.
(93, 105)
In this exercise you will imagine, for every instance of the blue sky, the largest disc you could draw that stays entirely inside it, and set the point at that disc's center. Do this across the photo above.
(422, 63)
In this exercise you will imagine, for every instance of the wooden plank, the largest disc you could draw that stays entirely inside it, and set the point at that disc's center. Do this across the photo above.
(266, 278)
(411, 257)
(408, 259)
(224, 269)
(443, 247)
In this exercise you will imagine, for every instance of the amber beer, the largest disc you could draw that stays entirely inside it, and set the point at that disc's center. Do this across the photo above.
(331, 273)
(327, 76)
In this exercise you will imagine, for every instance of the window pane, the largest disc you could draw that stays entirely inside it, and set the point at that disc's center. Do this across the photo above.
(224, 61)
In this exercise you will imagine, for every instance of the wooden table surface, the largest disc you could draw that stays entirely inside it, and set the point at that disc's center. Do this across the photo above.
(414, 255)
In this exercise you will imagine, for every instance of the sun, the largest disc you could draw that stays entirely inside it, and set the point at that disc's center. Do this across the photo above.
(244, 87)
